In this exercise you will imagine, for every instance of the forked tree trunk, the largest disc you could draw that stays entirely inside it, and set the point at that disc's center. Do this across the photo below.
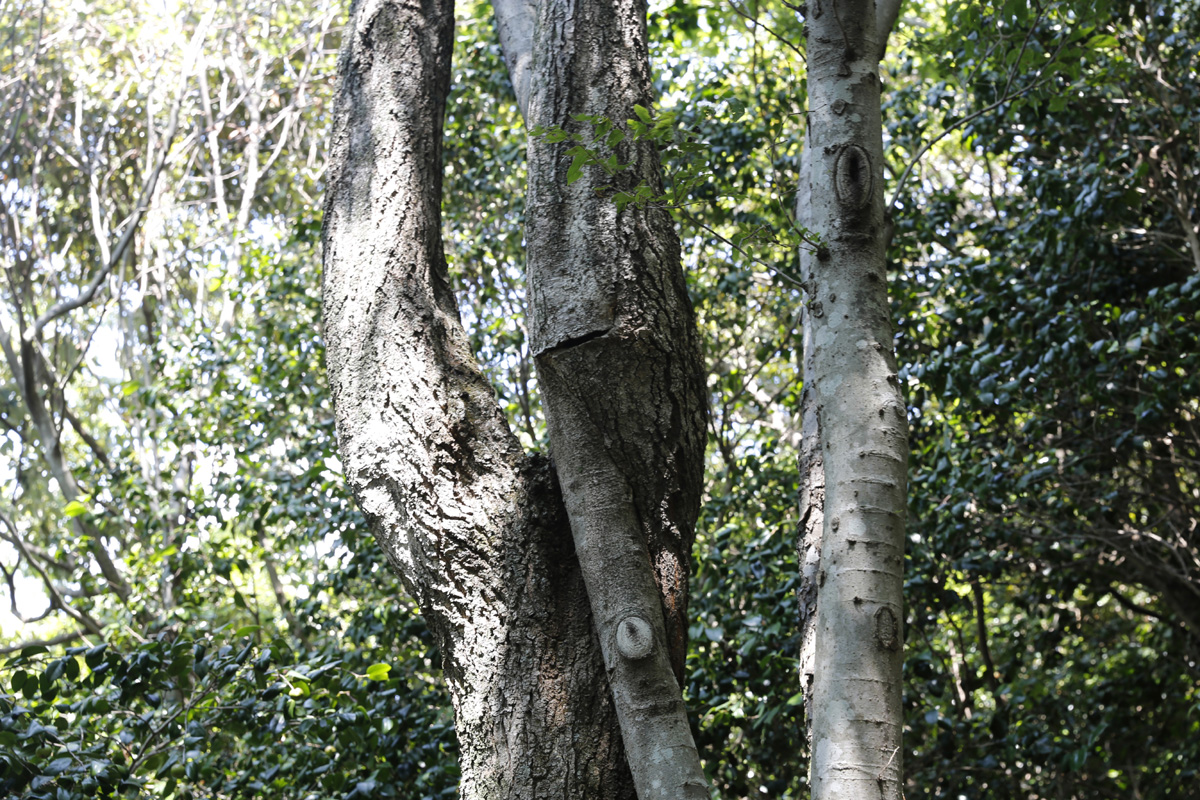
(476, 529)
(851, 667)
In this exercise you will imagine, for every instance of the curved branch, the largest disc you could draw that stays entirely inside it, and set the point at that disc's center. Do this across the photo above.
(62, 638)
(56, 598)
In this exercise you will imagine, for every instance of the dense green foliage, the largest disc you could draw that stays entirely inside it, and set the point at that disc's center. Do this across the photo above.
(1046, 287)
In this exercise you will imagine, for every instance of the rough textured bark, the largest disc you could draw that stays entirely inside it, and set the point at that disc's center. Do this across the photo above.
(476, 529)
(621, 374)
(851, 379)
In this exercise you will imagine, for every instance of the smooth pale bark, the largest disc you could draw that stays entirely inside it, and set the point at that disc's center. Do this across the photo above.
(515, 23)
(812, 472)
(476, 529)
(854, 398)
(619, 368)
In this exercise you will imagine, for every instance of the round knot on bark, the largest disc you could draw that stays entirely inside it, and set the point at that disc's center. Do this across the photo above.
(635, 638)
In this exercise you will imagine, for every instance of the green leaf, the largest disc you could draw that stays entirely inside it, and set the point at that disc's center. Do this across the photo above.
(95, 655)
(379, 672)
(642, 113)
(75, 509)
(575, 171)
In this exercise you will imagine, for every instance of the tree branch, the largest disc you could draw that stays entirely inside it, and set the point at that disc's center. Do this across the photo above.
(960, 123)
(23, 370)
(56, 598)
(89, 293)
(886, 14)
(981, 630)
(93, 445)
(516, 22)
(61, 638)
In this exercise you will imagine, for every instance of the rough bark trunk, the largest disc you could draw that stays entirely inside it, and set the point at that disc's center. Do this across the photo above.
(619, 366)
(622, 379)
(856, 402)
(476, 529)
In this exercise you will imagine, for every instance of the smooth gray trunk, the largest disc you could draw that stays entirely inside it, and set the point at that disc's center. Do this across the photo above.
(855, 484)
(476, 529)
(812, 471)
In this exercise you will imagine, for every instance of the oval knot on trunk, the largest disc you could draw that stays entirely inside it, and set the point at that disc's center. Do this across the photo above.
(887, 629)
(852, 178)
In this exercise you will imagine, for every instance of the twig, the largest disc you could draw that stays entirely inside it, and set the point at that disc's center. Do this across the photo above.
(772, 267)
(62, 638)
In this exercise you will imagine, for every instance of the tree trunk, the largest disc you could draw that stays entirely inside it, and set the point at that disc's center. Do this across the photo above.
(812, 471)
(620, 369)
(476, 529)
(857, 404)
(622, 380)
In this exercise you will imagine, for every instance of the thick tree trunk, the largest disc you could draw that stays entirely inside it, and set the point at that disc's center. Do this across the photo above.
(622, 380)
(619, 367)
(476, 529)
(855, 708)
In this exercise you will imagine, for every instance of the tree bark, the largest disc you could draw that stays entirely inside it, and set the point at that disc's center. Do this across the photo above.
(812, 469)
(622, 379)
(620, 369)
(476, 529)
(851, 380)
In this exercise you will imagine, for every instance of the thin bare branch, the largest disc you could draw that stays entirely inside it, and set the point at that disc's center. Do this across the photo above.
(62, 638)
(56, 598)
